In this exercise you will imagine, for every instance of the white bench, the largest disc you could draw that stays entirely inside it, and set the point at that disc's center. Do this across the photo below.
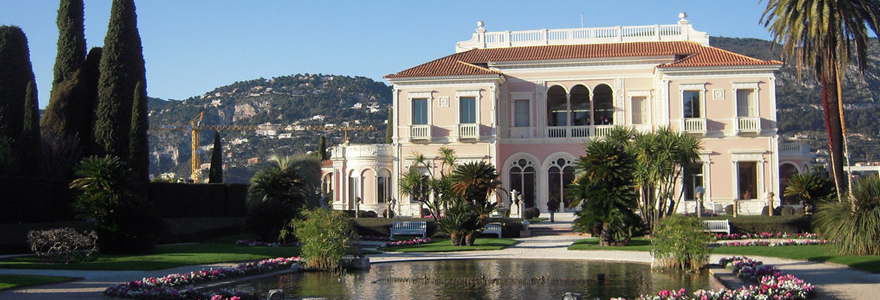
(493, 228)
(409, 228)
(716, 226)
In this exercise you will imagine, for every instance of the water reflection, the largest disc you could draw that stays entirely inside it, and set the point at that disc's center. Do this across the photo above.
(483, 279)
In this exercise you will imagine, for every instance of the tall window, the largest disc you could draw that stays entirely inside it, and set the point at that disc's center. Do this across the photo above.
(383, 185)
(522, 179)
(420, 111)
(560, 174)
(467, 110)
(745, 104)
(691, 102)
(748, 179)
(353, 189)
(693, 178)
(639, 110)
(521, 113)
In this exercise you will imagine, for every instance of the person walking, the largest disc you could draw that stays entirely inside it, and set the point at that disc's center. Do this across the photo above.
(552, 206)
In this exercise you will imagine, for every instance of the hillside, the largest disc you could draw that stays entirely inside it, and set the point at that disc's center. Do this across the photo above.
(302, 99)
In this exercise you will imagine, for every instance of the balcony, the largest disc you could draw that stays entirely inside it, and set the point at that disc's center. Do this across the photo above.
(468, 131)
(578, 131)
(420, 132)
(694, 125)
(748, 124)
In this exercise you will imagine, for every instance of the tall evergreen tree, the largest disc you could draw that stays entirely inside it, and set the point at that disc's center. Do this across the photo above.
(389, 130)
(215, 174)
(71, 40)
(91, 73)
(31, 147)
(139, 143)
(322, 148)
(15, 75)
(122, 67)
(68, 115)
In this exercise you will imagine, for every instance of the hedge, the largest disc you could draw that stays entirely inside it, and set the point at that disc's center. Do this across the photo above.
(758, 224)
(382, 226)
(208, 200)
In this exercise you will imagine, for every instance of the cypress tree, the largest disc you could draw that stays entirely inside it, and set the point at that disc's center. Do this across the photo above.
(15, 74)
(389, 129)
(71, 40)
(322, 148)
(122, 67)
(139, 143)
(68, 116)
(31, 146)
(215, 173)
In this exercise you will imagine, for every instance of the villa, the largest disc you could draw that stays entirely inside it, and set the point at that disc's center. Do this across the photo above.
(528, 101)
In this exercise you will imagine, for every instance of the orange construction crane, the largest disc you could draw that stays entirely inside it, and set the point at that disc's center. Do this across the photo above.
(196, 126)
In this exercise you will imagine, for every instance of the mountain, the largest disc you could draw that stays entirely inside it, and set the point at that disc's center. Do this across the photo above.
(302, 99)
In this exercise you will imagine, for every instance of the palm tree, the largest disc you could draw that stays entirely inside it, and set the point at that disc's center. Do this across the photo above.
(826, 35)
(606, 189)
(809, 188)
(475, 182)
(853, 231)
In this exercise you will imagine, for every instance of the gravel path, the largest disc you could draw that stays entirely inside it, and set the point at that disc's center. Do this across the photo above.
(833, 281)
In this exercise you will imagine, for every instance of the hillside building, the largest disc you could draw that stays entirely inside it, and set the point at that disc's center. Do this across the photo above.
(528, 101)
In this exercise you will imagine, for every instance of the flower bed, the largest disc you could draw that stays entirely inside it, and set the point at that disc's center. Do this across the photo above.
(767, 283)
(166, 287)
(766, 235)
(411, 242)
(771, 243)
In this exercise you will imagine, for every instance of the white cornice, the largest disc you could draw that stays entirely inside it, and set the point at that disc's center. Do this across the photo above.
(495, 78)
(648, 60)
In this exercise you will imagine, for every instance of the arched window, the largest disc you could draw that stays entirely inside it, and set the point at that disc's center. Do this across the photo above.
(603, 105)
(557, 107)
(353, 188)
(559, 176)
(786, 171)
(522, 179)
(580, 106)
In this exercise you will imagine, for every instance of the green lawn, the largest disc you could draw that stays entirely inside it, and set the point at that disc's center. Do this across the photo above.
(14, 281)
(444, 245)
(167, 256)
(822, 253)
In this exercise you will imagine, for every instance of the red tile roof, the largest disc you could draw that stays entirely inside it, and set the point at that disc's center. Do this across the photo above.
(473, 62)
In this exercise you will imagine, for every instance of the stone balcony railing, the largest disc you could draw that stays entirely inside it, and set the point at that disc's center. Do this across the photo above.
(682, 31)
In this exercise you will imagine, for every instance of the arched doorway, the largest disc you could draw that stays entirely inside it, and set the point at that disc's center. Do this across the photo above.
(522, 179)
(603, 98)
(560, 173)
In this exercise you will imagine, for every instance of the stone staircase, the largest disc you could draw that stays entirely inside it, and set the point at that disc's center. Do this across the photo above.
(562, 226)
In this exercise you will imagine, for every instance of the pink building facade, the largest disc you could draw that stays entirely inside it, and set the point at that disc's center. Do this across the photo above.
(528, 101)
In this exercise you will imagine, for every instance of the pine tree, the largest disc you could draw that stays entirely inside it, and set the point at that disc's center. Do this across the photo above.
(71, 40)
(389, 130)
(15, 74)
(31, 147)
(139, 143)
(122, 67)
(322, 148)
(215, 173)
(91, 73)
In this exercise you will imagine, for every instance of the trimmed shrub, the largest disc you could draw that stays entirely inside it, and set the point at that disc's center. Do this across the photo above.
(386, 212)
(728, 209)
(759, 224)
(266, 218)
(382, 226)
(788, 211)
(776, 211)
(63, 245)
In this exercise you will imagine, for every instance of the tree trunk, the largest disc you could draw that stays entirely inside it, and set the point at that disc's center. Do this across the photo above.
(834, 129)
(606, 238)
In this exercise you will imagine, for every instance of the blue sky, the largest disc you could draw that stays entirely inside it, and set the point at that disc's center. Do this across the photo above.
(193, 46)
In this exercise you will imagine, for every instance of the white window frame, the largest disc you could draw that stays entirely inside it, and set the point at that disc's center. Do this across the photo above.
(701, 89)
(754, 101)
(469, 93)
(421, 95)
(647, 109)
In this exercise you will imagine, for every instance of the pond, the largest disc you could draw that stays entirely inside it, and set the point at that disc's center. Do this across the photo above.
(481, 279)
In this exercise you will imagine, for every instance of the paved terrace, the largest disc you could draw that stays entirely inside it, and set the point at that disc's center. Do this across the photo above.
(833, 281)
